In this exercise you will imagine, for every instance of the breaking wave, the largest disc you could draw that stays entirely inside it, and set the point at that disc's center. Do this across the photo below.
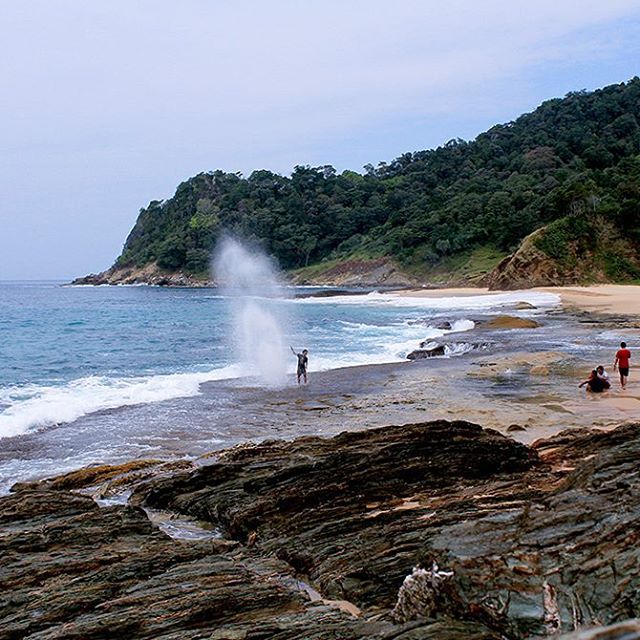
(33, 406)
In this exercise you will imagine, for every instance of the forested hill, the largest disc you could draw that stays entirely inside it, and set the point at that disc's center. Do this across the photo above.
(575, 161)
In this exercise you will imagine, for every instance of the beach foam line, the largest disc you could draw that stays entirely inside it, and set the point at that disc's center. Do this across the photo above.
(483, 301)
(393, 351)
(31, 407)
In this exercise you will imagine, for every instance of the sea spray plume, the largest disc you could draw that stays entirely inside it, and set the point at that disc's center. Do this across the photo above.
(250, 280)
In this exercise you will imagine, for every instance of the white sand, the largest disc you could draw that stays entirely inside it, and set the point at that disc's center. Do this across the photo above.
(606, 298)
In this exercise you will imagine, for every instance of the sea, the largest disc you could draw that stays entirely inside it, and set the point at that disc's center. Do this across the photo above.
(102, 374)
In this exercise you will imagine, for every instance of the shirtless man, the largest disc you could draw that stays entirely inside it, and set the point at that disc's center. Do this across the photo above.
(623, 355)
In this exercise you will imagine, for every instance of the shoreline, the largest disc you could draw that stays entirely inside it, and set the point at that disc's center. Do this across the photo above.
(311, 526)
(621, 299)
(505, 380)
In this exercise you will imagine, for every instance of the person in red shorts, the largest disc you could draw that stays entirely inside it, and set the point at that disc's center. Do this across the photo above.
(623, 355)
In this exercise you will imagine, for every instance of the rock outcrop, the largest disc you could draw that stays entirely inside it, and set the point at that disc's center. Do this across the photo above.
(355, 273)
(427, 351)
(150, 274)
(527, 267)
(510, 322)
(438, 530)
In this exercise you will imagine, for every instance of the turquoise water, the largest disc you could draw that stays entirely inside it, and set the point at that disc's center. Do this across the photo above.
(87, 370)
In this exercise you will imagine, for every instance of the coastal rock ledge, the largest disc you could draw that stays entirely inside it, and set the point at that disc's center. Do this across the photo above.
(441, 530)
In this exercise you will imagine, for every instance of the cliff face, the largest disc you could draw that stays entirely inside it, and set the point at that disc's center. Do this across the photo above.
(569, 251)
(528, 267)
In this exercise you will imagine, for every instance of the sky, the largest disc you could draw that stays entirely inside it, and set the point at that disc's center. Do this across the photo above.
(105, 106)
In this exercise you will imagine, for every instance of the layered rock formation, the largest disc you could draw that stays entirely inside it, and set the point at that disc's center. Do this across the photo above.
(150, 274)
(439, 530)
(528, 267)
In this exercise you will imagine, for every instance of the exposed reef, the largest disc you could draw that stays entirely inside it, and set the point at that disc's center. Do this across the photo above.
(436, 530)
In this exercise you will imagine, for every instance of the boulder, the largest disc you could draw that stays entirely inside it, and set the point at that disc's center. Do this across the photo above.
(430, 352)
(511, 322)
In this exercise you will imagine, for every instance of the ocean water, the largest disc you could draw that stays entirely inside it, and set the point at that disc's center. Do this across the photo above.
(100, 373)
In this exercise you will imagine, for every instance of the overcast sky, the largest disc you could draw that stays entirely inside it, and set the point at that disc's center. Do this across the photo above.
(107, 105)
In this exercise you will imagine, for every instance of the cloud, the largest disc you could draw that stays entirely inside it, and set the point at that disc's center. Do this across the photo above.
(128, 97)
(111, 67)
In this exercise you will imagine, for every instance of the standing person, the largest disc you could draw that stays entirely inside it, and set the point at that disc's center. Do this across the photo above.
(623, 355)
(303, 363)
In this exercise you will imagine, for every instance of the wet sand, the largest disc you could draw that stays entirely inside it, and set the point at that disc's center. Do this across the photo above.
(536, 390)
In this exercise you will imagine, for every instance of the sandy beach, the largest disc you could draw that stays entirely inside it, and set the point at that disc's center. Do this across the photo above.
(605, 298)
(554, 402)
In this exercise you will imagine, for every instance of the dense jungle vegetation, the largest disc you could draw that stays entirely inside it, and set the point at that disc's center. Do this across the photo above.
(571, 161)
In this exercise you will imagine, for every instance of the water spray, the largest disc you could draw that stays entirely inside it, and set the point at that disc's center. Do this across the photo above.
(251, 281)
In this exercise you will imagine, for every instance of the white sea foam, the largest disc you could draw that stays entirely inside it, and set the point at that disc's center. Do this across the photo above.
(32, 406)
(384, 344)
(455, 303)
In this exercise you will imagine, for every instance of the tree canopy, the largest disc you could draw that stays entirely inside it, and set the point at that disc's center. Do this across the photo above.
(576, 156)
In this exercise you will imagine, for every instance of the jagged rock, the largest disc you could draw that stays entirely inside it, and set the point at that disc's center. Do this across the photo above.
(628, 630)
(422, 594)
(539, 540)
(431, 352)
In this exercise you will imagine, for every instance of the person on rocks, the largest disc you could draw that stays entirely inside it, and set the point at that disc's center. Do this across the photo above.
(604, 376)
(303, 363)
(594, 383)
(623, 355)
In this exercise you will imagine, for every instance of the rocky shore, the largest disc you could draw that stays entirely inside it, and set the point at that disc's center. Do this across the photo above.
(150, 274)
(380, 272)
(438, 530)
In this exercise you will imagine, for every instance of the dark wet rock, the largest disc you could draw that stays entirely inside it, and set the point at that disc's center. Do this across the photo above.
(430, 352)
(515, 427)
(628, 630)
(430, 349)
(439, 530)
(331, 293)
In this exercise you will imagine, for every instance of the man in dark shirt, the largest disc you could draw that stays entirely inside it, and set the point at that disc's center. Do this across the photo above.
(623, 355)
(303, 363)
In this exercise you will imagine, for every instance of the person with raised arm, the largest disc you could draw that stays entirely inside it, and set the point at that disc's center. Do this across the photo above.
(303, 363)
